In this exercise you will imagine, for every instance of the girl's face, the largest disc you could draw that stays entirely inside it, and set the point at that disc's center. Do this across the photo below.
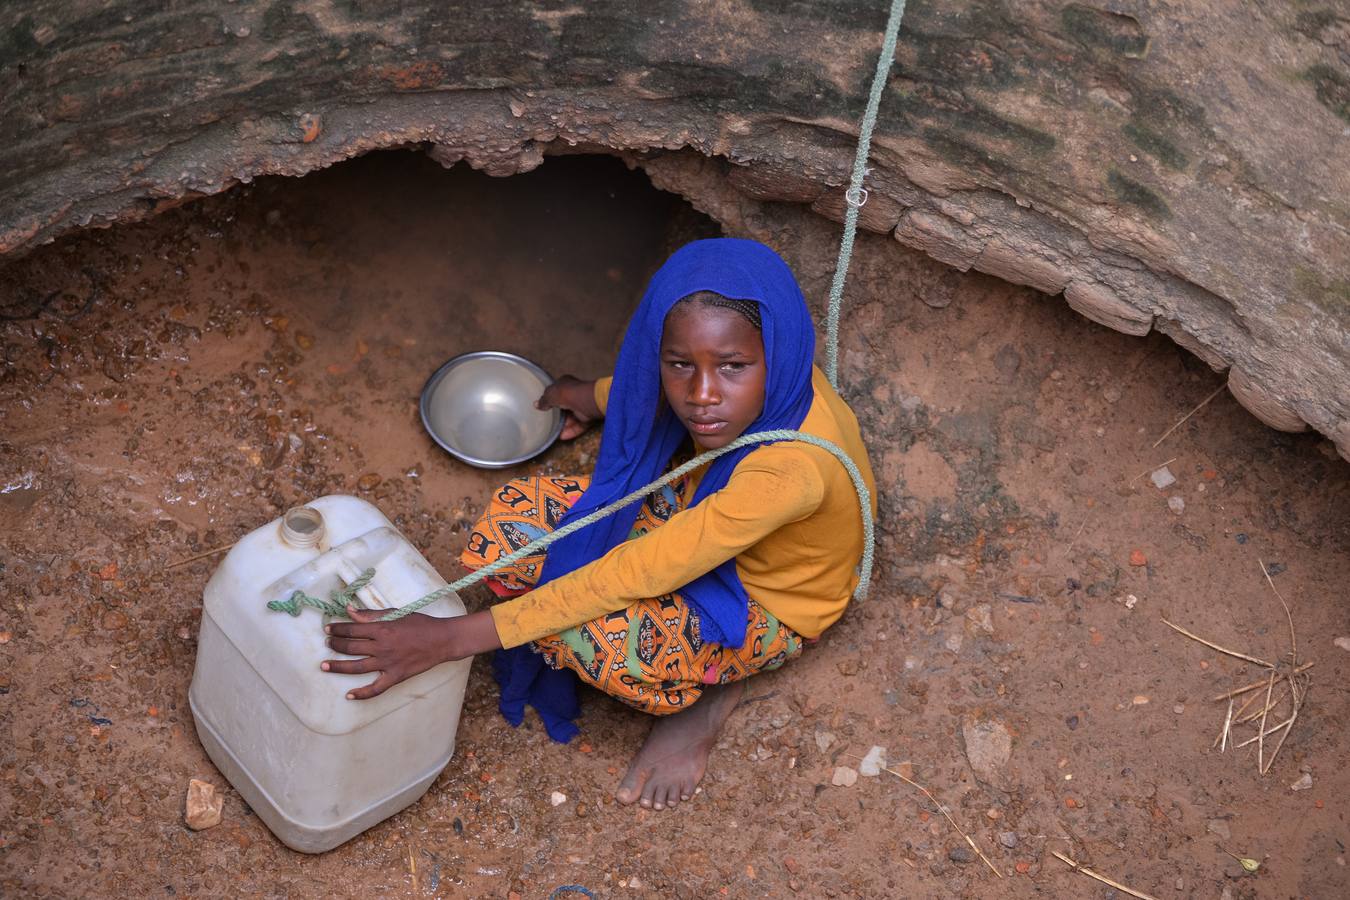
(712, 372)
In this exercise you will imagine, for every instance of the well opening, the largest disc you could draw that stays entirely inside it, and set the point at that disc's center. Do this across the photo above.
(286, 326)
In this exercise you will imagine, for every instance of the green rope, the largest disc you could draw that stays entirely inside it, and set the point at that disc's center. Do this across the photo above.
(855, 197)
(336, 605)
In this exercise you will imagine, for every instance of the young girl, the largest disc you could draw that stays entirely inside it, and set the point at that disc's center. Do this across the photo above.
(716, 578)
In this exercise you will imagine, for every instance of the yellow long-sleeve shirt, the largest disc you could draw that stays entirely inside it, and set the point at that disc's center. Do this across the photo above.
(788, 515)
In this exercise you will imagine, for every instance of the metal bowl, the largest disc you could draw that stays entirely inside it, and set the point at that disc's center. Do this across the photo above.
(480, 408)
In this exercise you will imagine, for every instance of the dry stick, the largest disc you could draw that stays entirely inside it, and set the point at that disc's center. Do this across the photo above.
(1272, 706)
(1078, 533)
(1293, 641)
(942, 809)
(1298, 704)
(1154, 469)
(1102, 878)
(1227, 727)
(1214, 646)
(1218, 390)
(1261, 729)
(1267, 733)
(1293, 665)
(192, 559)
(1256, 684)
(1247, 704)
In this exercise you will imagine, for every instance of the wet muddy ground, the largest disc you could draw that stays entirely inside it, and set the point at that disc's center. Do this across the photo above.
(169, 386)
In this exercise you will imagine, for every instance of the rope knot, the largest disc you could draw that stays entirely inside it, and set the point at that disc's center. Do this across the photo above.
(336, 604)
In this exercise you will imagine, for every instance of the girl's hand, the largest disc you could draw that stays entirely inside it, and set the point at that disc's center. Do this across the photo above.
(576, 398)
(405, 647)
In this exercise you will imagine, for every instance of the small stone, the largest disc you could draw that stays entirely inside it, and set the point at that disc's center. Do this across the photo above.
(1131, 601)
(949, 599)
(1219, 827)
(1343, 643)
(1112, 394)
(993, 814)
(961, 855)
(988, 748)
(1162, 478)
(1176, 505)
(114, 619)
(1240, 537)
(1304, 783)
(906, 769)
(954, 642)
(303, 341)
(1139, 700)
(1179, 709)
(203, 805)
(980, 619)
(873, 762)
(557, 798)
(823, 740)
(1181, 884)
(1071, 721)
(1137, 558)
(582, 811)
(844, 777)
(368, 481)
(1008, 839)
(792, 865)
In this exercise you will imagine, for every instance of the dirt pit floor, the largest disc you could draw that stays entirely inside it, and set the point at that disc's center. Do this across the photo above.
(171, 385)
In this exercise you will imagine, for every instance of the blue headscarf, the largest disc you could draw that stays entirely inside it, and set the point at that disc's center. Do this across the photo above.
(641, 434)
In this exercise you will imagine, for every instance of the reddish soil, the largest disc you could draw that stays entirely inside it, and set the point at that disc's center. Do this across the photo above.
(169, 386)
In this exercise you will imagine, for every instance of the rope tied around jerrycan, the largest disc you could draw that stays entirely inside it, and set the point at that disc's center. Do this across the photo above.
(339, 600)
(855, 197)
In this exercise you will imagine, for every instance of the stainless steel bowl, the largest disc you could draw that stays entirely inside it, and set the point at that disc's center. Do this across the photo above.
(480, 408)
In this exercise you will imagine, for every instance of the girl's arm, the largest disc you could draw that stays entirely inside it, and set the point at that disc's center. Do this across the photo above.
(405, 647)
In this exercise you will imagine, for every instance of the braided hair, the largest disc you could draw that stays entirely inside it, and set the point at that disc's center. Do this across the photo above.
(746, 309)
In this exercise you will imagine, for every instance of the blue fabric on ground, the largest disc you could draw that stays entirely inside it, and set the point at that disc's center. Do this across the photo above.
(641, 434)
(524, 678)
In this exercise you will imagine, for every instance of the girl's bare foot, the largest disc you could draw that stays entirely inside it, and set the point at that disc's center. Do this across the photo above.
(672, 761)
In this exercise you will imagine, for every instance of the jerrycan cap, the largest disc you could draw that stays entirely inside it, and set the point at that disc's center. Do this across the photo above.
(302, 526)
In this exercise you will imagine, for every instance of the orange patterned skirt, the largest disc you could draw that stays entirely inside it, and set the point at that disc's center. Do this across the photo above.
(650, 655)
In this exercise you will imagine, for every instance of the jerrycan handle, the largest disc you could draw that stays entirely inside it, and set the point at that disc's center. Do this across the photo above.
(345, 561)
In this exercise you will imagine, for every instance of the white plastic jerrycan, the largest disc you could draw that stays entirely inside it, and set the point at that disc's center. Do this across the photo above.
(316, 767)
